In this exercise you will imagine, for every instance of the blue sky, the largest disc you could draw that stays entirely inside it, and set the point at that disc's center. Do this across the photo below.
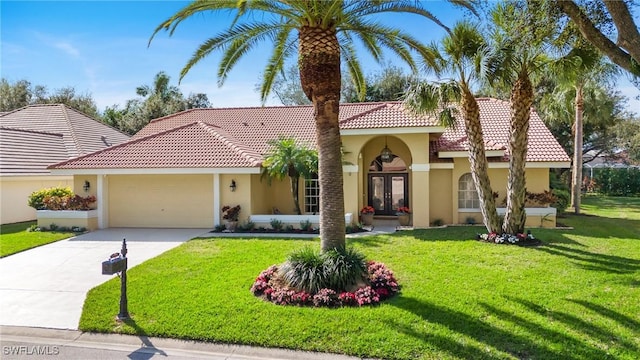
(100, 47)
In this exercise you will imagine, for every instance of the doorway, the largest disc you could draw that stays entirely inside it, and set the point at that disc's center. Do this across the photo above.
(388, 192)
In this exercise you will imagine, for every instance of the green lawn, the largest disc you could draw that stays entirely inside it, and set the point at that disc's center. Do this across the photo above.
(14, 238)
(576, 297)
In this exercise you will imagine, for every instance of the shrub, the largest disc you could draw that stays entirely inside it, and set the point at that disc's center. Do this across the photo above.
(326, 297)
(36, 199)
(470, 220)
(304, 270)
(563, 198)
(438, 222)
(618, 182)
(219, 228)
(308, 270)
(276, 224)
(231, 213)
(33, 228)
(306, 225)
(68, 202)
(344, 269)
(248, 226)
(53, 227)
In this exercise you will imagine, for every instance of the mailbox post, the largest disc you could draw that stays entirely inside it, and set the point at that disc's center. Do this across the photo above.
(117, 263)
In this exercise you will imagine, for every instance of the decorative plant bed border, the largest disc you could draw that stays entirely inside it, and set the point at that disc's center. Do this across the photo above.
(382, 285)
(293, 220)
(68, 218)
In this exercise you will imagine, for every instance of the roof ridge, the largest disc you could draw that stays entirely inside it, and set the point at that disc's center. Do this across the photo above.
(91, 118)
(72, 129)
(130, 141)
(31, 131)
(228, 140)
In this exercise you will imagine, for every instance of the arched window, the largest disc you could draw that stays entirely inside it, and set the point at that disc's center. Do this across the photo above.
(467, 194)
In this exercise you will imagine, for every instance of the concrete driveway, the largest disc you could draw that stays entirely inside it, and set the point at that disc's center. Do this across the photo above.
(47, 286)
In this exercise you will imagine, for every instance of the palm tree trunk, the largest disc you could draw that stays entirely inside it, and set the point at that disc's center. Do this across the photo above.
(295, 181)
(319, 64)
(576, 179)
(478, 160)
(521, 101)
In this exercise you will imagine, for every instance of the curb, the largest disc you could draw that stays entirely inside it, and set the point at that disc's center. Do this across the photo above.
(153, 345)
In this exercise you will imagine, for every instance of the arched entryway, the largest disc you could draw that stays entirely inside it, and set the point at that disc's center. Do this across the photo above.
(388, 185)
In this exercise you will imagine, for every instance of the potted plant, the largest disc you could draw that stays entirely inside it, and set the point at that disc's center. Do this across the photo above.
(366, 214)
(230, 216)
(404, 215)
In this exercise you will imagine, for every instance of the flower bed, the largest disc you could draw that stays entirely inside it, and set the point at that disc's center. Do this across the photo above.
(382, 285)
(510, 239)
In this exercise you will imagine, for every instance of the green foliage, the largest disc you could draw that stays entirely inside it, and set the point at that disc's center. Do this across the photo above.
(36, 199)
(563, 199)
(53, 227)
(309, 270)
(617, 181)
(306, 225)
(21, 93)
(437, 222)
(344, 268)
(247, 226)
(304, 270)
(276, 224)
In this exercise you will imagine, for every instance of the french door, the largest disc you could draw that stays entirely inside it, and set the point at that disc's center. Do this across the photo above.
(388, 192)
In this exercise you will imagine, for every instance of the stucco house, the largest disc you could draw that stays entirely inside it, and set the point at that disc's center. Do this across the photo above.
(36, 136)
(180, 170)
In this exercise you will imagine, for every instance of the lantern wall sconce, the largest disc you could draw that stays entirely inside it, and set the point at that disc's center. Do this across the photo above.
(386, 155)
(233, 186)
(86, 186)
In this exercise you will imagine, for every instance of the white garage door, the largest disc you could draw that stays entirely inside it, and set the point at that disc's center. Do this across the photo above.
(161, 201)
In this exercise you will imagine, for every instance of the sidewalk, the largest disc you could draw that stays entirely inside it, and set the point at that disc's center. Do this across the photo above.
(73, 344)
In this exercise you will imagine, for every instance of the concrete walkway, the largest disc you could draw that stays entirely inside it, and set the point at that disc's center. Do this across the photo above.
(46, 286)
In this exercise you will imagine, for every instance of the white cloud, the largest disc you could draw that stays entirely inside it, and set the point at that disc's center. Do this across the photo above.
(67, 48)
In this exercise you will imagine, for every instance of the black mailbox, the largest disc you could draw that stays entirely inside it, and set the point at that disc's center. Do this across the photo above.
(114, 265)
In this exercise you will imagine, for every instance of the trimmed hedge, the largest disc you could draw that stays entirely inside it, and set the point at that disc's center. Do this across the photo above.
(617, 181)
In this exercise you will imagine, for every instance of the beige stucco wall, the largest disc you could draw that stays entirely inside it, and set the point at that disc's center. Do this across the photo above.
(78, 185)
(440, 199)
(242, 195)
(162, 200)
(15, 191)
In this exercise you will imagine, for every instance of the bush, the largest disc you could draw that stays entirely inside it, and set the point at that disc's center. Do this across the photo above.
(276, 224)
(617, 182)
(68, 202)
(306, 225)
(563, 199)
(309, 270)
(304, 270)
(36, 199)
(344, 268)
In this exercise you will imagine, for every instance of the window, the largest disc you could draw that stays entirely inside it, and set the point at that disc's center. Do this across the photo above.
(467, 194)
(312, 195)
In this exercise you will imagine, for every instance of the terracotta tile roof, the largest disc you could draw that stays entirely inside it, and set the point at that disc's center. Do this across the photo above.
(494, 117)
(236, 137)
(386, 115)
(193, 145)
(81, 134)
(36, 136)
(27, 152)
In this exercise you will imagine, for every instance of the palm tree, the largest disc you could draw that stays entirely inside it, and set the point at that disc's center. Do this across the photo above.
(288, 158)
(518, 40)
(323, 33)
(461, 54)
(574, 70)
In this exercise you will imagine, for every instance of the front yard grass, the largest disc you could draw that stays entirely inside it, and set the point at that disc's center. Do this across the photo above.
(576, 297)
(15, 238)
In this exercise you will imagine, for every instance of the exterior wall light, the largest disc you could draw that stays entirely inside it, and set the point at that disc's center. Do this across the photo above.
(233, 186)
(386, 155)
(87, 186)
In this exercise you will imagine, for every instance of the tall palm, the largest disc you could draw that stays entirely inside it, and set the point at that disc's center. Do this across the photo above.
(575, 70)
(288, 158)
(462, 55)
(518, 40)
(323, 33)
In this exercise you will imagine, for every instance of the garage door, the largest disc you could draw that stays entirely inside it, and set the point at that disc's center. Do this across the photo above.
(161, 201)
